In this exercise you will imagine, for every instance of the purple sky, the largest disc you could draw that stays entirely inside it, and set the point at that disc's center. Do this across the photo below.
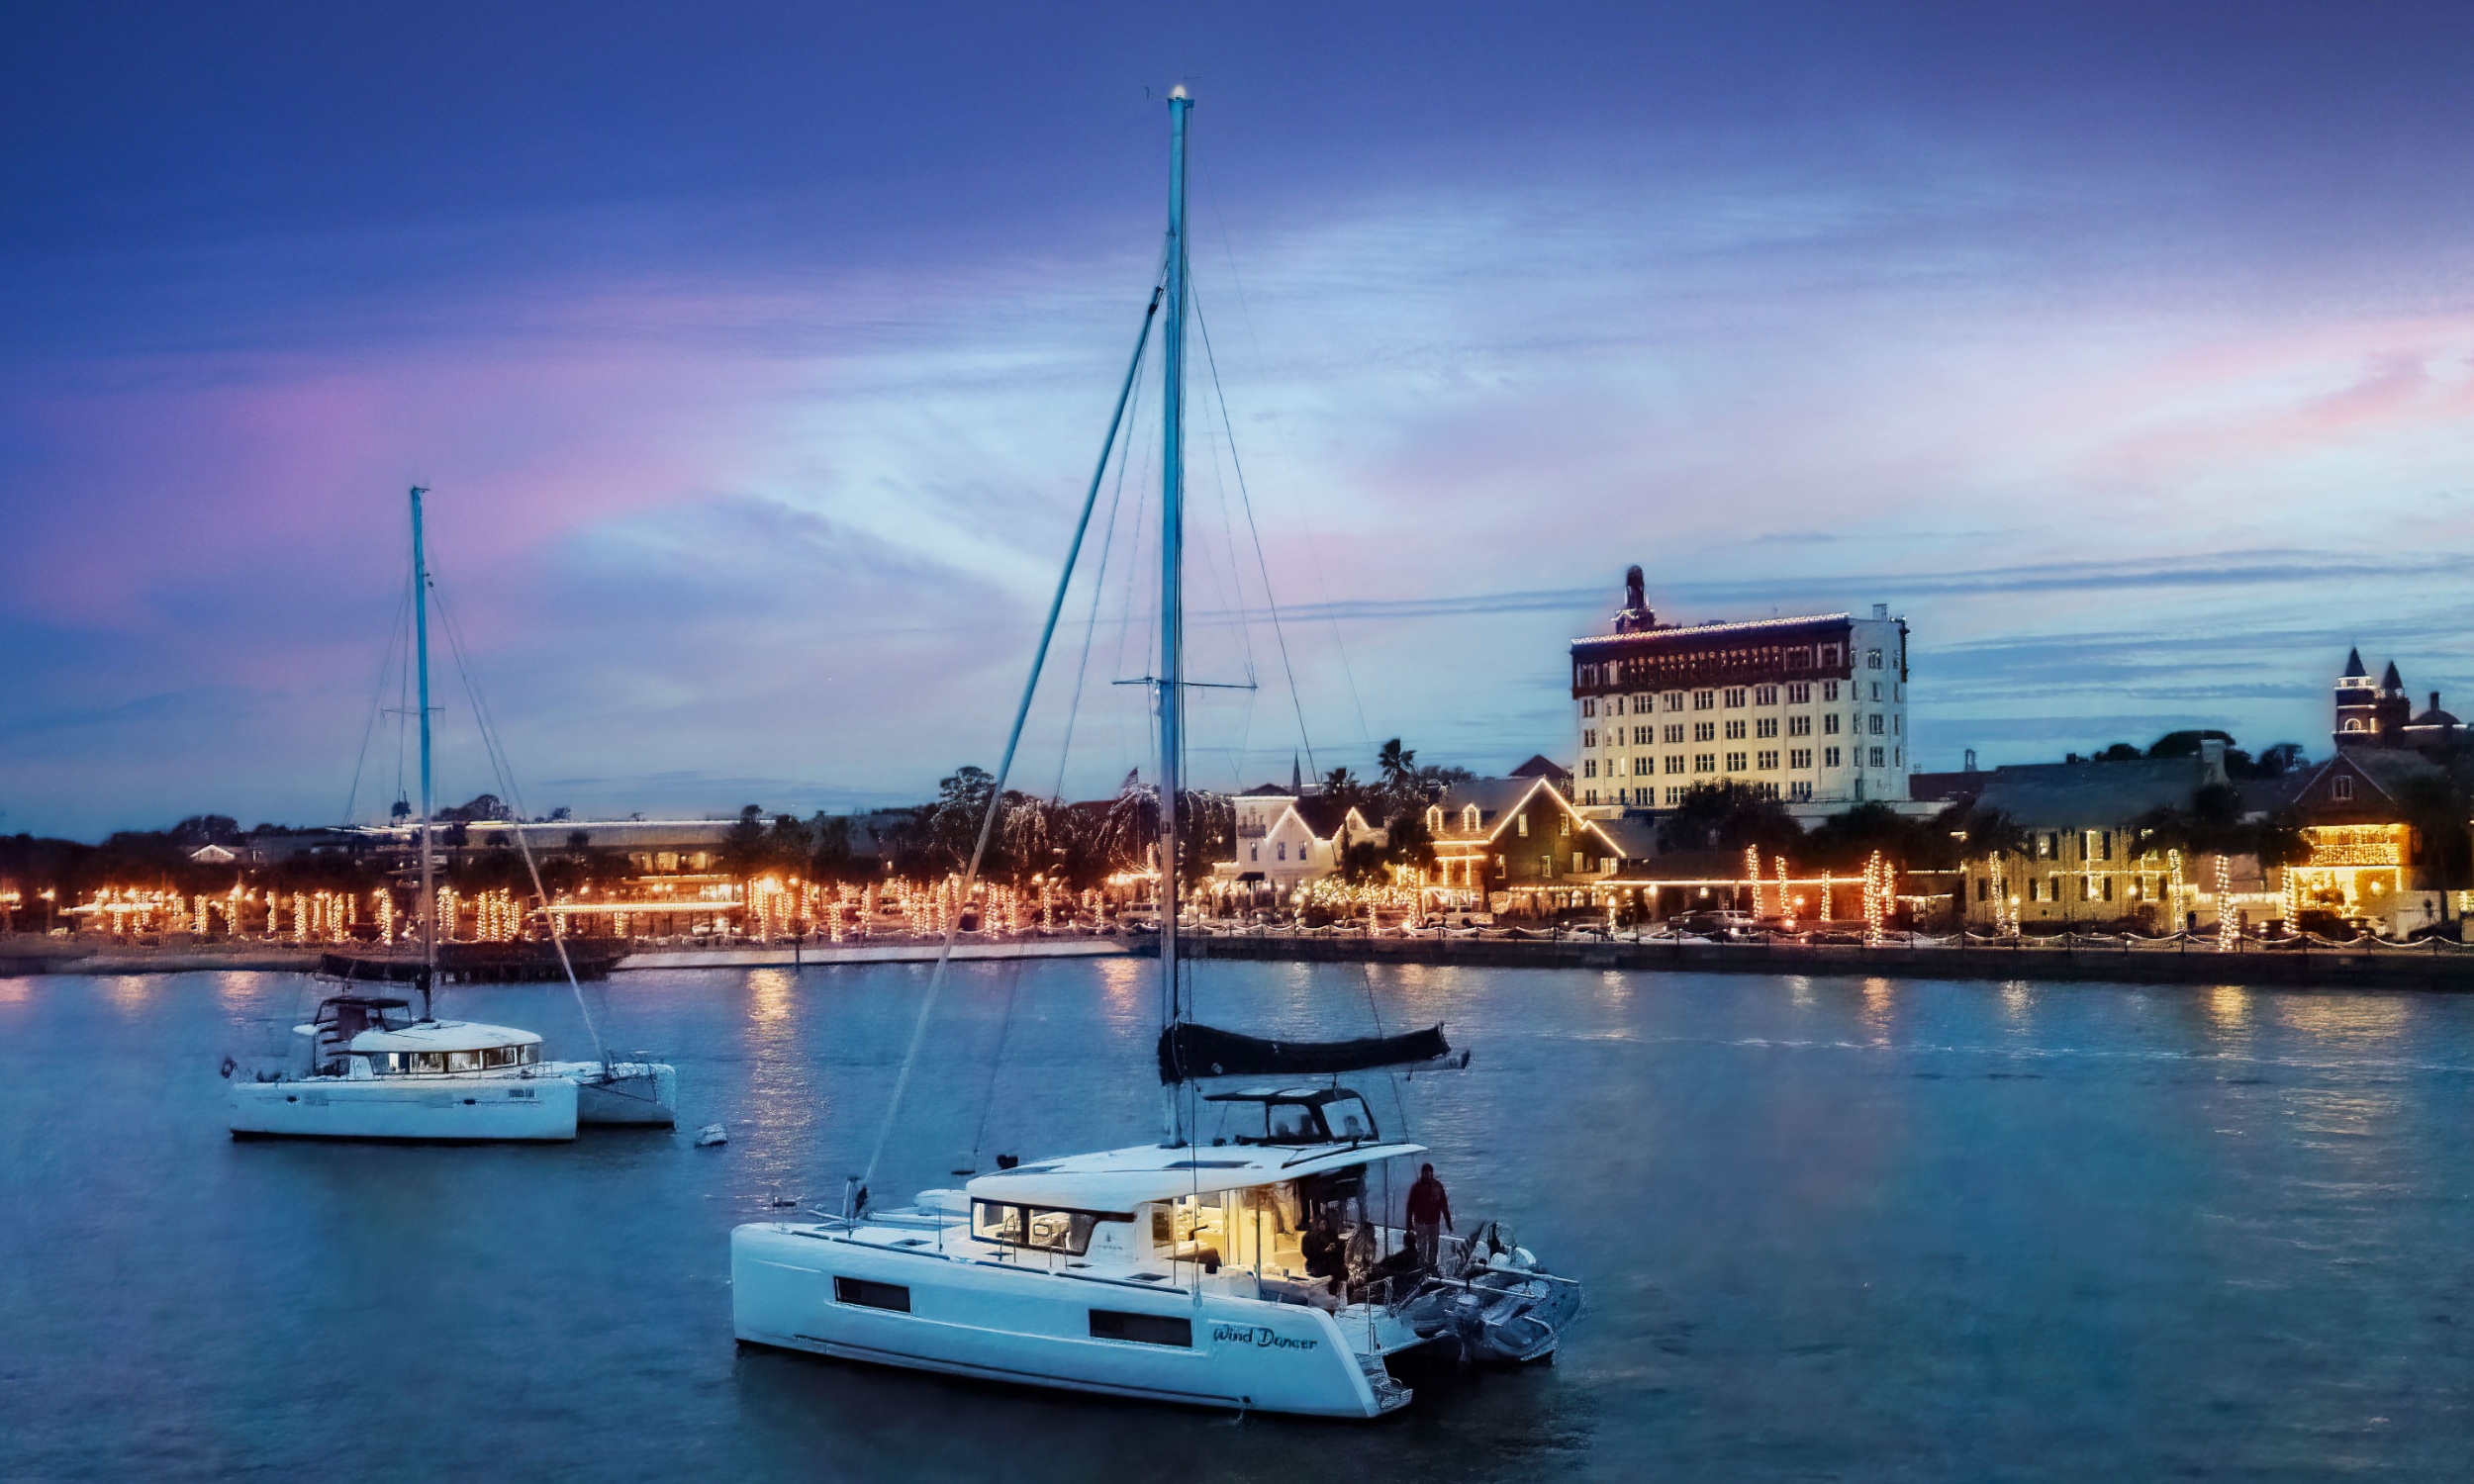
(757, 356)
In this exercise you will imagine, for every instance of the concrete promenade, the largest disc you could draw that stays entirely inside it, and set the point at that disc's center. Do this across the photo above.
(909, 950)
(2447, 966)
(2440, 967)
(42, 956)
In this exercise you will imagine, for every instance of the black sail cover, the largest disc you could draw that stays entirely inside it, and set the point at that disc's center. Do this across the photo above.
(1190, 1051)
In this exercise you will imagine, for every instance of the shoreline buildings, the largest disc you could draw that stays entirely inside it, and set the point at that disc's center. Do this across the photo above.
(1811, 710)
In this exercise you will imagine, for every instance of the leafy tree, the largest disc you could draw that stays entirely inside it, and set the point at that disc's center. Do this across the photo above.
(2120, 751)
(831, 857)
(1844, 842)
(2435, 806)
(1972, 832)
(959, 813)
(201, 830)
(1727, 815)
(1342, 786)
(1407, 841)
(479, 808)
(1207, 826)
(2282, 758)
(2186, 744)
(743, 843)
(1365, 864)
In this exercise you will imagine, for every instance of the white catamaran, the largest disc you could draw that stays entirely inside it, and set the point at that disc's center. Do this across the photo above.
(364, 1068)
(1253, 1272)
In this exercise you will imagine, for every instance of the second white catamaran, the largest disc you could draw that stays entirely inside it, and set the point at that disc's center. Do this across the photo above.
(1253, 1272)
(363, 1067)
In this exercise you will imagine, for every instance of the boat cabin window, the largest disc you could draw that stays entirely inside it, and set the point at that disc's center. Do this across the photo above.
(481, 1060)
(1040, 1227)
(1192, 1228)
(1291, 1123)
(1326, 1118)
(1348, 1119)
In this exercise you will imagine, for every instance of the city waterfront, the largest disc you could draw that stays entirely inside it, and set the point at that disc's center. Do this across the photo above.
(1837, 1227)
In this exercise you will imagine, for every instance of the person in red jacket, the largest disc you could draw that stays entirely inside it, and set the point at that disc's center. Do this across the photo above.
(1430, 1215)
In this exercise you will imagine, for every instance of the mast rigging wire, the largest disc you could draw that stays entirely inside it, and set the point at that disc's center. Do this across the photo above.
(506, 773)
(387, 666)
(1261, 564)
(1065, 749)
(1005, 767)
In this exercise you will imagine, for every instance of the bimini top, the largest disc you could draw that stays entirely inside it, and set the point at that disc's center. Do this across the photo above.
(1122, 1178)
(441, 1036)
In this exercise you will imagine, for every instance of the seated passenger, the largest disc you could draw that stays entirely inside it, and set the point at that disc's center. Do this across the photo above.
(1321, 1246)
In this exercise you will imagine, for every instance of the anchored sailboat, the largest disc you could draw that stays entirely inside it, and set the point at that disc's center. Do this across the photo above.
(364, 1067)
(1250, 1272)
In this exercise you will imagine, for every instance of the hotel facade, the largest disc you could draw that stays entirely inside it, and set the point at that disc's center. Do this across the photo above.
(1811, 709)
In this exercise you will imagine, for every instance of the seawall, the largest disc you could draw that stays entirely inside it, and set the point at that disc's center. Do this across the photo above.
(2447, 968)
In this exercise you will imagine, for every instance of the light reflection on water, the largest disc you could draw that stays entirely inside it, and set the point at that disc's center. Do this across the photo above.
(1861, 1228)
(2229, 1005)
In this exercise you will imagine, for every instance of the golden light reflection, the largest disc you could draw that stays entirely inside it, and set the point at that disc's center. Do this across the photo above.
(1122, 982)
(769, 995)
(2229, 1005)
(16, 991)
(2017, 999)
(1878, 1005)
(1800, 992)
(2351, 1017)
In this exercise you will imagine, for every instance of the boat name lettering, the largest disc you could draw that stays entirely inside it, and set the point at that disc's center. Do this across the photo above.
(1261, 1337)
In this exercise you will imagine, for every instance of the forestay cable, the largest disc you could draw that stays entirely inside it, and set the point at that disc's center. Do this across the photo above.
(1013, 739)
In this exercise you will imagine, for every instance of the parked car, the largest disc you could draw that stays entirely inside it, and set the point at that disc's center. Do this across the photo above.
(1725, 926)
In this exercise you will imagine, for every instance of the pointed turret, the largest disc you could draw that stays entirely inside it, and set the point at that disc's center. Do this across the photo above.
(2357, 705)
(2391, 683)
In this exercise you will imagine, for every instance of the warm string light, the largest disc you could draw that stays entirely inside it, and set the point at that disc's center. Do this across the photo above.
(1786, 904)
(1878, 888)
(2174, 889)
(2228, 931)
(1753, 870)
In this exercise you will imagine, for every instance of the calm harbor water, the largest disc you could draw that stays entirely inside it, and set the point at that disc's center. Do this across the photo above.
(1832, 1227)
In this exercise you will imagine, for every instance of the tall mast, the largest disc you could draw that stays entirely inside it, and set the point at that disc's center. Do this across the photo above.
(420, 648)
(1172, 562)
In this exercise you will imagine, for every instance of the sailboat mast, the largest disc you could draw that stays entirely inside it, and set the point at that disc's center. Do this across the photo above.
(1172, 557)
(420, 648)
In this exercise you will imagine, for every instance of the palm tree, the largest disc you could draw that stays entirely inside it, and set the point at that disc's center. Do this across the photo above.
(1399, 765)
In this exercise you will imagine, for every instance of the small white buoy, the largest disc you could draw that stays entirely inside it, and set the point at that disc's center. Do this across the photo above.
(710, 1134)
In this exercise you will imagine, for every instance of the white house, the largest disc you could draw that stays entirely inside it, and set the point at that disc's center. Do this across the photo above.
(1284, 840)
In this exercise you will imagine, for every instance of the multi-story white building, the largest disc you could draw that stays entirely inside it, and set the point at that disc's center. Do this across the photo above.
(1813, 708)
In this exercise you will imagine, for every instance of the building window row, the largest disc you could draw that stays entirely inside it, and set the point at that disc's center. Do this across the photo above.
(1632, 671)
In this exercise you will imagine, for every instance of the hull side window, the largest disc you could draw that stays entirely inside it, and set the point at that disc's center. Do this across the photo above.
(1142, 1329)
(872, 1295)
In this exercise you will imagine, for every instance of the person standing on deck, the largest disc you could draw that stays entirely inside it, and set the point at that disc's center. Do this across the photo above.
(1430, 1215)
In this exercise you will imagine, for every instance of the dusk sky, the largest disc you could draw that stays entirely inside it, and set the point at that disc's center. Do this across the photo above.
(757, 357)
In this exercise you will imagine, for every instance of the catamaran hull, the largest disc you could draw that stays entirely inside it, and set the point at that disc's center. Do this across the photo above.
(1032, 1326)
(473, 1110)
(631, 1094)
